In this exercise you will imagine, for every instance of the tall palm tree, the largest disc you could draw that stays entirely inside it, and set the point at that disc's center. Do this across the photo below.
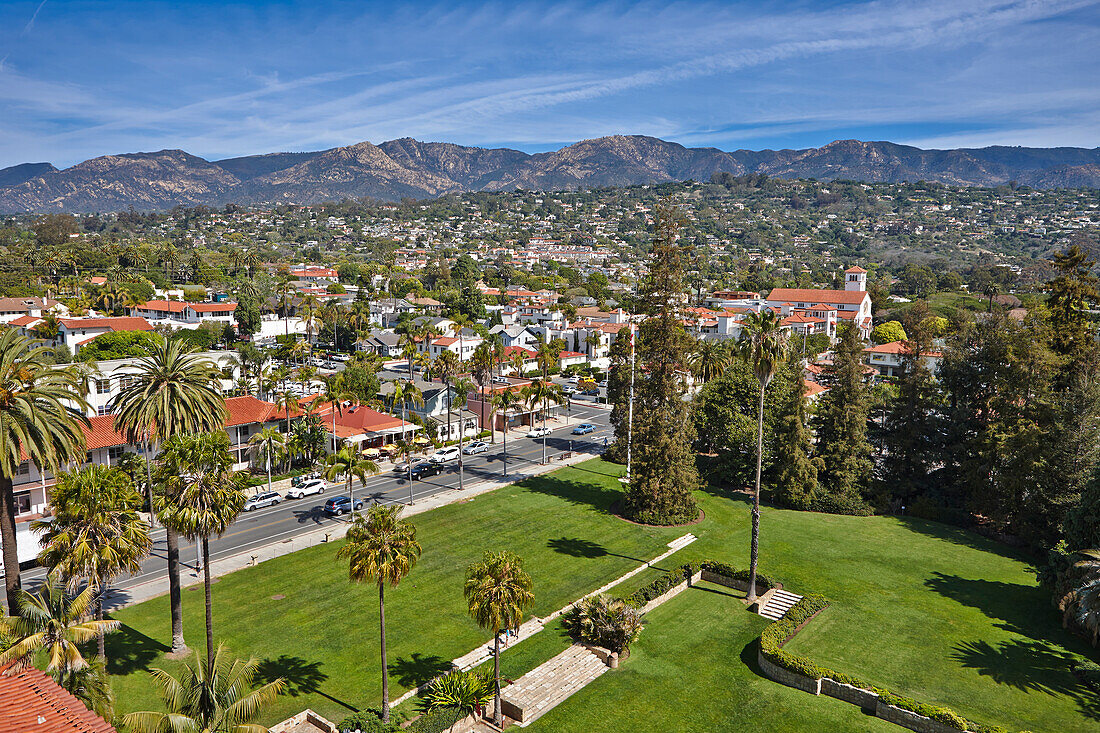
(540, 393)
(96, 533)
(506, 402)
(271, 445)
(175, 392)
(202, 498)
(336, 397)
(287, 401)
(762, 343)
(345, 463)
(518, 362)
(446, 367)
(409, 349)
(381, 548)
(459, 322)
(213, 696)
(461, 393)
(498, 592)
(56, 623)
(41, 414)
(404, 392)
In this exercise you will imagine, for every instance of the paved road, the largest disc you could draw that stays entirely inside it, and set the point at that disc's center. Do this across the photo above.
(272, 524)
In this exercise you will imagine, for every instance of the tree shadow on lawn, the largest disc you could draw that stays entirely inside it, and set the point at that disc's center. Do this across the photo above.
(129, 650)
(960, 536)
(1013, 603)
(417, 669)
(301, 677)
(580, 493)
(579, 547)
(1030, 666)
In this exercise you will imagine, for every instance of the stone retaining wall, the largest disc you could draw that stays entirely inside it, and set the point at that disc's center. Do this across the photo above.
(724, 580)
(789, 678)
(670, 593)
(909, 719)
(866, 699)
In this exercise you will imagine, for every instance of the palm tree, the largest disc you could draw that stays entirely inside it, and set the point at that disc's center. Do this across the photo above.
(96, 533)
(41, 414)
(202, 498)
(709, 360)
(53, 622)
(540, 393)
(518, 361)
(497, 591)
(761, 345)
(467, 692)
(409, 349)
(271, 445)
(506, 402)
(175, 392)
(336, 396)
(345, 463)
(287, 401)
(381, 548)
(462, 389)
(216, 695)
(406, 391)
(459, 322)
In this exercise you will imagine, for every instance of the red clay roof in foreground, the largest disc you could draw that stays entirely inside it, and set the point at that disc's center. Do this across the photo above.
(33, 703)
(811, 295)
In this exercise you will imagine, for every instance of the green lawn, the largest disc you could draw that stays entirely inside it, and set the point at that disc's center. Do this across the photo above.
(694, 669)
(928, 610)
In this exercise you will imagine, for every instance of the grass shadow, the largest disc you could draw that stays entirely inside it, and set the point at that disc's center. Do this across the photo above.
(301, 677)
(1012, 603)
(595, 495)
(965, 537)
(129, 650)
(417, 669)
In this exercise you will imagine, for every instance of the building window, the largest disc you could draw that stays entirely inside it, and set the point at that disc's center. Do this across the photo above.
(102, 410)
(22, 502)
(24, 469)
(115, 452)
(103, 386)
(127, 380)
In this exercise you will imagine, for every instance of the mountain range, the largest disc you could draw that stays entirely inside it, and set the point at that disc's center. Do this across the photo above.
(410, 168)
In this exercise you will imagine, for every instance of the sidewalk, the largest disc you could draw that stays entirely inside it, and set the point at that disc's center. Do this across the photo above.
(122, 597)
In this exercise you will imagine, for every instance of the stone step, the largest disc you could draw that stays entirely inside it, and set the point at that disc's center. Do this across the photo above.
(680, 542)
(778, 604)
(543, 688)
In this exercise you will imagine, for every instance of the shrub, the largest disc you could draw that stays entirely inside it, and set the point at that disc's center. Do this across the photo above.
(1089, 673)
(773, 638)
(946, 716)
(763, 582)
(661, 585)
(603, 621)
(465, 692)
(831, 504)
(436, 721)
(367, 721)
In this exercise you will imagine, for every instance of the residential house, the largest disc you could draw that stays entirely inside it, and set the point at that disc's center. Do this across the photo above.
(886, 358)
(14, 308)
(31, 702)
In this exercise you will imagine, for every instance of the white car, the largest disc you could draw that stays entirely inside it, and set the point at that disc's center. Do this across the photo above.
(569, 389)
(478, 446)
(501, 380)
(573, 380)
(445, 454)
(316, 486)
(538, 432)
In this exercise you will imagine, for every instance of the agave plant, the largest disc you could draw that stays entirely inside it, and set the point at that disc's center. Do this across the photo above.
(467, 692)
(608, 622)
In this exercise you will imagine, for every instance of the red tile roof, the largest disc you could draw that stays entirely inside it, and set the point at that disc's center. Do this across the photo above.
(33, 703)
(812, 295)
(212, 307)
(248, 409)
(856, 269)
(25, 320)
(102, 433)
(509, 350)
(161, 306)
(123, 323)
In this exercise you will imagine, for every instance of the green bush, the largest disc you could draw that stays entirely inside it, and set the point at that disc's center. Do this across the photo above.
(763, 582)
(608, 622)
(367, 721)
(1089, 673)
(436, 721)
(661, 585)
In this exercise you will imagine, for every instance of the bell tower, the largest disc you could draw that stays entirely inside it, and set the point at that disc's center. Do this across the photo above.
(855, 279)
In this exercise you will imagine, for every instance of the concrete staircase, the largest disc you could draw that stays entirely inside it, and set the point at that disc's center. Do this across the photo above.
(538, 691)
(778, 604)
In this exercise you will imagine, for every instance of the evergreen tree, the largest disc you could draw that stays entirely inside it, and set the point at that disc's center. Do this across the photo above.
(618, 393)
(841, 428)
(912, 427)
(794, 478)
(1071, 294)
(664, 474)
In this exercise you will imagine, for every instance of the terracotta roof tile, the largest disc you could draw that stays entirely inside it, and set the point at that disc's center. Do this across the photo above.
(812, 295)
(33, 703)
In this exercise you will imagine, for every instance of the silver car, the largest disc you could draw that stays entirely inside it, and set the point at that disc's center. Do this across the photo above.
(262, 499)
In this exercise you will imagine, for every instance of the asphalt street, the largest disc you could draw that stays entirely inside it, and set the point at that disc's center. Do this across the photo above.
(293, 516)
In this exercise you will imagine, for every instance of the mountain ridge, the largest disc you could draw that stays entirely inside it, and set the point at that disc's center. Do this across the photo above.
(410, 168)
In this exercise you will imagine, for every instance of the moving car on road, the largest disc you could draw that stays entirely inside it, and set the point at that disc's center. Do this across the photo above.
(445, 454)
(316, 486)
(425, 469)
(584, 428)
(538, 432)
(262, 499)
(478, 446)
(338, 505)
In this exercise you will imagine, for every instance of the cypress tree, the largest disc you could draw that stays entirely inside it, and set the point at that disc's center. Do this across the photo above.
(664, 473)
(794, 481)
(618, 393)
(841, 427)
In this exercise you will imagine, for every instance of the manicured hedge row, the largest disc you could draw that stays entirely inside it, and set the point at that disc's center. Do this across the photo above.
(1089, 673)
(661, 585)
(763, 582)
(370, 721)
(436, 721)
(777, 634)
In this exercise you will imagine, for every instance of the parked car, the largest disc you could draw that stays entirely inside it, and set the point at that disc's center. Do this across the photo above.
(500, 380)
(305, 478)
(478, 446)
(445, 454)
(341, 505)
(403, 466)
(262, 499)
(569, 389)
(425, 469)
(602, 383)
(316, 486)
(573, 380)
(591, 392)
(328, 365)
(538, 432)
(584, 428)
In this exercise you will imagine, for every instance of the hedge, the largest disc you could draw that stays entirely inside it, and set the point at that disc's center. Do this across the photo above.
(436, 721)
(779, 632)
(763, 582)
(1089, 673)
(661, 585)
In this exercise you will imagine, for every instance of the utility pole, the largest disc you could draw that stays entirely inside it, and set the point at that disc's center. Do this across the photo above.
(630, 405)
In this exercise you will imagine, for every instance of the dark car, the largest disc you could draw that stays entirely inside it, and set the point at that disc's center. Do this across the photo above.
(338, 505)
(591, 391)
(425, 469)
(584, 429)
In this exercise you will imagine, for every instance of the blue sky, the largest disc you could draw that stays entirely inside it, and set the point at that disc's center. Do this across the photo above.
(80, 79)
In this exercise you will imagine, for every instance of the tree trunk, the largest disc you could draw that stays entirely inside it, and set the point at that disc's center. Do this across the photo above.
(99, 615)
(755, 549)
(505, 438)
(385, 671)
(497, 718)
(209, 608)
(11, 552)
(179, 646)
(149, 482)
